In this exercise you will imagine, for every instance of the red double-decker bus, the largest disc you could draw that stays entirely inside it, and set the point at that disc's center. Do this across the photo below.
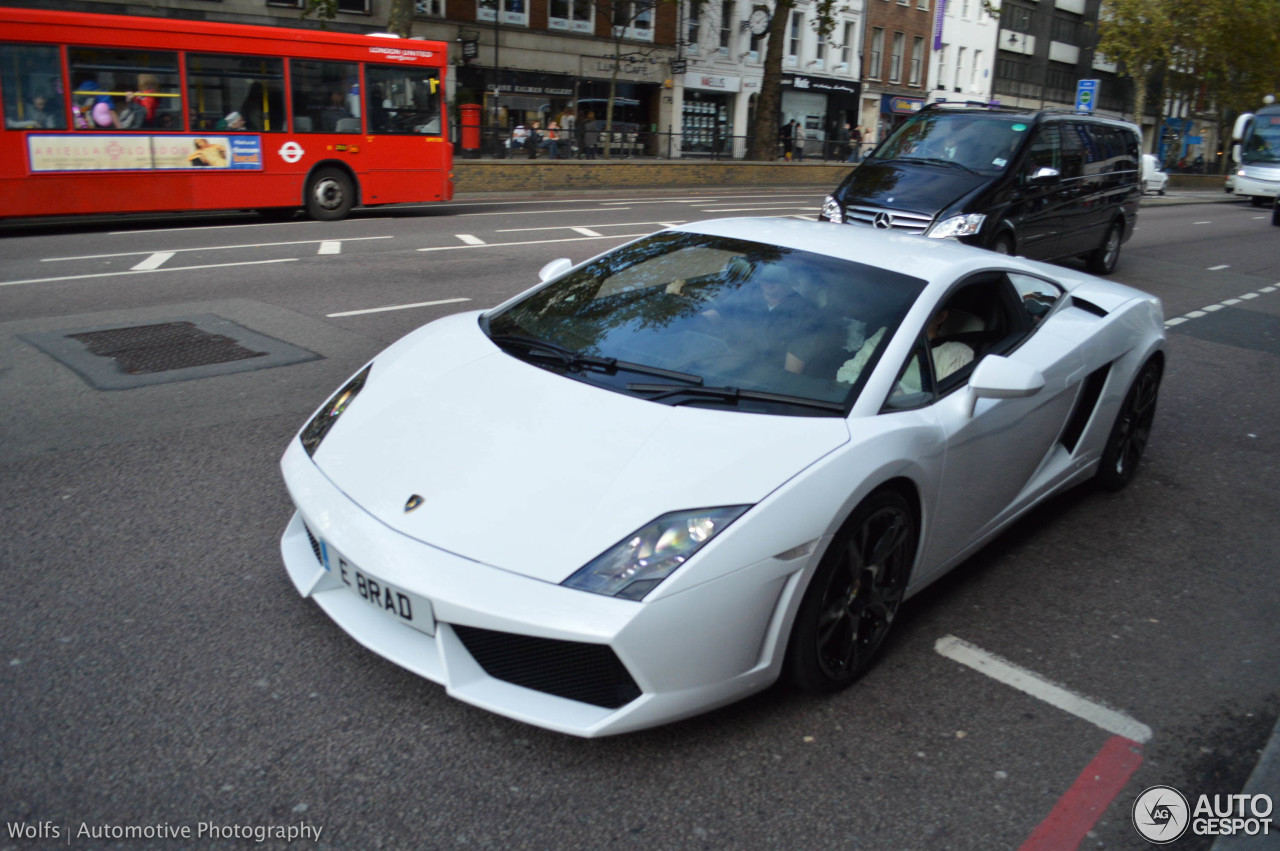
(110, 113)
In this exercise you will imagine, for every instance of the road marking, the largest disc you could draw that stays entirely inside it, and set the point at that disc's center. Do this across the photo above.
(758, 209)
(210, 248)
(203, 228)
(1080, 807)
(143, 272)
(330, 246)
(469, 239)
(576, 227)
(1218, 268)
(155, 261)
(1029, 682)
(395, 307)
(1202, 223)
(1205, 311)
(585, 231)
(1177, 320)
(535, 242)
(1212, 308)
(542, 212)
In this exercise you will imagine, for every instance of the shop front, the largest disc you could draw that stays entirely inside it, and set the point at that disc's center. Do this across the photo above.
(707, 115)
(822, 105)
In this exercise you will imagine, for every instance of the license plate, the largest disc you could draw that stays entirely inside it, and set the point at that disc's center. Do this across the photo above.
(409, 609)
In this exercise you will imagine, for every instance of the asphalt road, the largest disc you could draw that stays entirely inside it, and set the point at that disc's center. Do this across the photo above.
(158, 669)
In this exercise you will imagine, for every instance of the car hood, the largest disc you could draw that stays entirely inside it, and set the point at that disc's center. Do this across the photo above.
(915, 187)
(532, 472)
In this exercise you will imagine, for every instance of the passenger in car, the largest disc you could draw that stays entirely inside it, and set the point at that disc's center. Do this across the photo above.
(948, 355)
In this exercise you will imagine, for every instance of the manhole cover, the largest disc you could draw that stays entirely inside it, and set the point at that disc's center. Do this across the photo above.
(145, 349)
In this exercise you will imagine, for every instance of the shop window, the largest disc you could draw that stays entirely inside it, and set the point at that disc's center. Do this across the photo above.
(31, 78)
(235, 93)
(326, 96)
(403, 100)
(514, 12)
(570, 15)
(125, 89)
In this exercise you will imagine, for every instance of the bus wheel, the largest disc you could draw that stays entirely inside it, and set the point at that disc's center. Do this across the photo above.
(330, 195)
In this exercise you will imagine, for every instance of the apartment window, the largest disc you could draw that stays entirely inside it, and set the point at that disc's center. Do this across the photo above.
(1067, 31)
(917, 59)
(942, 67)
(959, 67)
(692, 30)
(726, 27)
(794, 32)
(876, 67)
(820, 52)
(846, 46)
(974, 83)
(633, 20)
(571, 15)
(428, 8)
(895, 58)
(1016, 18)
(922, 4)
(964, 9)
(514, 12)
(351, 7)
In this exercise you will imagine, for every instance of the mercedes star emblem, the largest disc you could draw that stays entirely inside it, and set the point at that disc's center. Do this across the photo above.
(884, 221)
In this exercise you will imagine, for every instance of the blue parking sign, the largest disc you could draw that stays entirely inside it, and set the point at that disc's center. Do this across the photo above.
(1086, 94)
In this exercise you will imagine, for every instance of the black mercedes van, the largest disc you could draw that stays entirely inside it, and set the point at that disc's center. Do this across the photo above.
(1047, 184)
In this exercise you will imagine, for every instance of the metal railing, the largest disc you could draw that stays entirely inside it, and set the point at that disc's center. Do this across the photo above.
(631, 144)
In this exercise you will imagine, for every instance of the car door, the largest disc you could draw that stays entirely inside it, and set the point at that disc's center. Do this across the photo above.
(1000, 454)
(1037, 209)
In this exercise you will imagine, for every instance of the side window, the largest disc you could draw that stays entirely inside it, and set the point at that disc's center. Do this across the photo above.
(1038, 295)
(115, 89)
(326, 96)
(914, 387)
(1045, 150)
(1075, 150)
(403, 100)
(31, 78)
(235, 93)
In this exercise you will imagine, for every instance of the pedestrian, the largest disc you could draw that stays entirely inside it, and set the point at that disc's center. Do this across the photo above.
(591, 136)
(534, 140)
(855, 144)
(552, 142)
(787, 136)
(801, 137)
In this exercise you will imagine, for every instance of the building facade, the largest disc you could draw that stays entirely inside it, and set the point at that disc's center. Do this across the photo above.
(895, 64)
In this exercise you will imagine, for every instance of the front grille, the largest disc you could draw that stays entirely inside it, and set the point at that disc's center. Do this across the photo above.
(590, 673)
(899, 219)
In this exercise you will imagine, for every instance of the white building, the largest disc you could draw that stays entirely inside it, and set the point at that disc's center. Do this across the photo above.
(963, 55)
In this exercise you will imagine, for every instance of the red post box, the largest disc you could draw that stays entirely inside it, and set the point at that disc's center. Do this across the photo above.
(470, 126)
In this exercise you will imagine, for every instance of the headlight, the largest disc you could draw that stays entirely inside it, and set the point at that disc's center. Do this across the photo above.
(831, 210)
(966, 225)
(328, 415)
(635, 565)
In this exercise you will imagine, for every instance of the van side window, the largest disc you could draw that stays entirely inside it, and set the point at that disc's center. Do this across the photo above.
(1045, 150)
(1075, 149)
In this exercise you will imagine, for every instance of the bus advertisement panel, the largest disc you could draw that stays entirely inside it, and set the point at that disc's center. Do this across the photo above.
(106, 113)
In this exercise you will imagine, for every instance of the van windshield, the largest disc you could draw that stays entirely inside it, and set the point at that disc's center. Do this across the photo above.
(977, 142)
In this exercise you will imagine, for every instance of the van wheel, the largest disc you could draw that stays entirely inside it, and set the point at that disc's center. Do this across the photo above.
(330, 195)
(1002, 244)
(1258, 201)
(1103, 260)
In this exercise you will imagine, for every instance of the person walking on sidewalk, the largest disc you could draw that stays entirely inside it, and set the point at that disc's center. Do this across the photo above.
(787, 136)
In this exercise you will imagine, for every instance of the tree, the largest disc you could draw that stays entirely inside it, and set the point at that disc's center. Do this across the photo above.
(1138, 36)
(399, 18)
(764, 141)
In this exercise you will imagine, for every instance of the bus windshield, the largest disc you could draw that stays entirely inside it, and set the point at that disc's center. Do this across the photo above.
(1262, 144)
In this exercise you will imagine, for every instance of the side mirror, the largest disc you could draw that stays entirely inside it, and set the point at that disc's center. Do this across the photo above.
(555, 268)
(1045, 175)
(998, 377)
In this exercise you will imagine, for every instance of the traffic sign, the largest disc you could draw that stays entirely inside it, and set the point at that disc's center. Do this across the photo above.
(1086, 94)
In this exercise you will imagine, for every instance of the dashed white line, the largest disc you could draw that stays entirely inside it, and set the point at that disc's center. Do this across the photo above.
(1029, 682)
(396, 307)
(123, 272)
(330, 246)
(575, 227)
(1211, 308)
(1218, 268)
(585, 231)
(469, 239)
(210, 248)
(155, 261)
(534, 242)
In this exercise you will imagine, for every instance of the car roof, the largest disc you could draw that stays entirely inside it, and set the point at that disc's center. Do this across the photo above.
(931, 260)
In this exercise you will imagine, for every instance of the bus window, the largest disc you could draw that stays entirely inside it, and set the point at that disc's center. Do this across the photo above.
(403, 100)
(125, 89)
(235, 93)
(325, 96)
(31, 78)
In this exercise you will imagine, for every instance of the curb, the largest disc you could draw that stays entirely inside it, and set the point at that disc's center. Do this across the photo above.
(1265, 780)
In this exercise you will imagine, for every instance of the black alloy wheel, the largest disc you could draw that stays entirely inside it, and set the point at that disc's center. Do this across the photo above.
(1103, 260)
(854, 596)
(1132, 429)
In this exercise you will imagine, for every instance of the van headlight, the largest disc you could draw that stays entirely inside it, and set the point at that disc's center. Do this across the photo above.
(831, 210)
(965, 225)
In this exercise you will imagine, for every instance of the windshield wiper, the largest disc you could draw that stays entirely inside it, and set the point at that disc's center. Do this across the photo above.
(730, 394)
(547, 350)
(938, 161)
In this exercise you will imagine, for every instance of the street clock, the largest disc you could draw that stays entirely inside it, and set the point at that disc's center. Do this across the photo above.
(758, 23)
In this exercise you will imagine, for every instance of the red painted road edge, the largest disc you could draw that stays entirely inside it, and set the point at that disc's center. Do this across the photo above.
(1080, 807)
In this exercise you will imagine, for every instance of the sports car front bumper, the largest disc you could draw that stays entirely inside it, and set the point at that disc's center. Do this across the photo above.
(544, 654)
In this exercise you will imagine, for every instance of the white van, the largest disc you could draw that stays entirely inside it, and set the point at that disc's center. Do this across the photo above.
(1154, 178)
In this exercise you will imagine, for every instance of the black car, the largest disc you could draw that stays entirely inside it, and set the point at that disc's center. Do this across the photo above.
(1047, 184)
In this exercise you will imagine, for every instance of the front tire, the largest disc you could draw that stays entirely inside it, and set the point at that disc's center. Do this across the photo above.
(854, 595)
(1132, 428)
(1103, 260)
(330, 195)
